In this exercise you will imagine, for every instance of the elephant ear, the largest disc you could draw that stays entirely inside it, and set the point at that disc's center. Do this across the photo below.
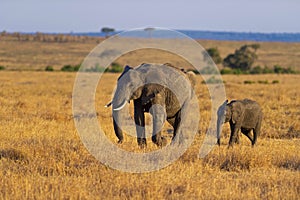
(126, 69)
(236, 110)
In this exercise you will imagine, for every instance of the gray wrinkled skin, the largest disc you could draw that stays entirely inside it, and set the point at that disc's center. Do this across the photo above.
(244, 115)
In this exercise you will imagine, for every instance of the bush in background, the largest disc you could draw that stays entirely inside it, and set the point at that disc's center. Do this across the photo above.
(248, 82)
(214, 54)
(227, 70)
(49, 69)
(280, 70)
(115, 68)
(70, 68)
(256, 70)
(96, 68)
(242, 58)
(207, 70)
(259, 70)
(263, 82)
(212, 80)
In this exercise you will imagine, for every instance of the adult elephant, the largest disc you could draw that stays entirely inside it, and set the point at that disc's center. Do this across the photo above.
(244, 115)
(162, 90)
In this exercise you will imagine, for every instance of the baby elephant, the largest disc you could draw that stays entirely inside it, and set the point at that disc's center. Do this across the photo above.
(244, 115)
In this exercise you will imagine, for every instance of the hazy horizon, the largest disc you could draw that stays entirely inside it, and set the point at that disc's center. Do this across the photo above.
(268, 16)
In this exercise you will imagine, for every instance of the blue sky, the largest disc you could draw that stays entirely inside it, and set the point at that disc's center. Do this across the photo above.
(91, 15)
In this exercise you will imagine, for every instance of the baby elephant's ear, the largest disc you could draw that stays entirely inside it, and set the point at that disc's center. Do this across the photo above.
(236, 111)
(224, 104)
(127, 68)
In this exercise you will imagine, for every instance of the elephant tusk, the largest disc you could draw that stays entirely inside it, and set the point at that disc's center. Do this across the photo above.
(108, 105)
(120, 107)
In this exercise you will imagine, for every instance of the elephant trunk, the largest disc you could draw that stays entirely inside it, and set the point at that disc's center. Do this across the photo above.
(220, 120)
(117, 129)
(118, 103)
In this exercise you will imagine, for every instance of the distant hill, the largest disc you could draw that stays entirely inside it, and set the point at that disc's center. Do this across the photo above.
(222, 35)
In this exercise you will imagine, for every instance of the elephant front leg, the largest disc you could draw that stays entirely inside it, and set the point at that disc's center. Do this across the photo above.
(139, 118)
(159, 116)
(234, 137)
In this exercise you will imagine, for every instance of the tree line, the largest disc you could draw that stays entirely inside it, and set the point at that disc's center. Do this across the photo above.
(46, 37)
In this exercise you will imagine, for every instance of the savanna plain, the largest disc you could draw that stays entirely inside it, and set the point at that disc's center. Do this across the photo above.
(42, 156)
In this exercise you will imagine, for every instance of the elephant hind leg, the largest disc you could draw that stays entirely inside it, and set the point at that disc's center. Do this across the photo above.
(176, 123)
(256, 132)
(247, 133)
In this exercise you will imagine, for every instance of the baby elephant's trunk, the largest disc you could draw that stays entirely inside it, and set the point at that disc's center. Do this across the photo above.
(221, 120)
(219, 129)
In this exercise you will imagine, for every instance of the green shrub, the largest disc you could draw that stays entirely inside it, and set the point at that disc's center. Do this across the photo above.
(208, 70)
(76, 68)
(215, 55)
(96, 68)
(114, 68)
(49, 69)
(267, 70)
(275, 81)
(67, 68)
(263, 82)
(232, 71)
(70, 68)
(256, 70)
(2, 68)
(238, 71)
(226, 71)
(212, 80)
(248, 82)
(280, 70)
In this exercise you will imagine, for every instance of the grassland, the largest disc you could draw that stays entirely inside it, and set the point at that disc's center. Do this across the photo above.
(42, 156)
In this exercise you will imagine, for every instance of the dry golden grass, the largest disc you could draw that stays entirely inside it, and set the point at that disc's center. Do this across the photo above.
(42, 156)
